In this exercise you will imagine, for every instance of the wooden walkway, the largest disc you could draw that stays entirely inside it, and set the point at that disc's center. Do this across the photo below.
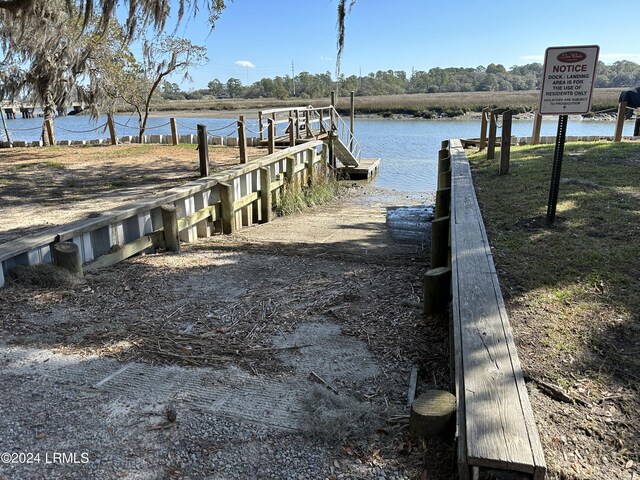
(495, 426)
(287, 127)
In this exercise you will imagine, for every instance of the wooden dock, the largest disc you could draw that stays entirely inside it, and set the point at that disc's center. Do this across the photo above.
(367, 169)
(287, 127)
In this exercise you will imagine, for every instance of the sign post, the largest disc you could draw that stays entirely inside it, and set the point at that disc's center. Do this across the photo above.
(567, 87)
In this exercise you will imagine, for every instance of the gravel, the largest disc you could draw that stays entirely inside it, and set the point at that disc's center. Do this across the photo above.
(67, 430)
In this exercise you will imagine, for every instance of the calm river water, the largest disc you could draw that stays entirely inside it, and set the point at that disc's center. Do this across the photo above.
(408, 147)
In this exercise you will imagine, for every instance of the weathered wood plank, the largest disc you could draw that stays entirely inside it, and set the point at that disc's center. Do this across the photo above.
(128, 250)
(203, 214)
(246, 200)
(496, 428)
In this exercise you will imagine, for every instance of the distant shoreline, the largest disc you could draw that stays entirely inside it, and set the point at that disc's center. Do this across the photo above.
(463, 105)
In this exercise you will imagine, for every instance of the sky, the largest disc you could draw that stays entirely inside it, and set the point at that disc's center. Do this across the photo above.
(264, 38)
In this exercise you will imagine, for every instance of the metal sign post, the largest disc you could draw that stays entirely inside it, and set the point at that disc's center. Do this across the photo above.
(557, 167)
(567, 86)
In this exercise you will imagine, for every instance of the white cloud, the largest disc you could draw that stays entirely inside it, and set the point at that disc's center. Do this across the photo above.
(245, 64)
(326, 59)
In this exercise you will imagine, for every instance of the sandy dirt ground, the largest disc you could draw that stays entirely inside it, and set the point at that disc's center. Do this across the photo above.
(301, 334)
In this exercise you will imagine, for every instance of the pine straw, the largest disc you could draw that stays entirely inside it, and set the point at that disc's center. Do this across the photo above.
(43, 275)
(332, 417)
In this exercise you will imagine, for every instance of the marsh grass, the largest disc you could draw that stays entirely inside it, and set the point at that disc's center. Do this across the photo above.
(419, 104)
(571, 288)
(320, 192)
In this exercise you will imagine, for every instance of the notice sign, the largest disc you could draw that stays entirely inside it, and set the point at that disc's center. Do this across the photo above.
(567, 84)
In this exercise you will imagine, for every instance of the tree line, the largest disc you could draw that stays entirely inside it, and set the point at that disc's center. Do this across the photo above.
(493, 77)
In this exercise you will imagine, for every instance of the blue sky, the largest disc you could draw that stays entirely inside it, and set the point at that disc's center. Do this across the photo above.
(401, 35)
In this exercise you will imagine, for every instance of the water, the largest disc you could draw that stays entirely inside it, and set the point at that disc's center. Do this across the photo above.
(408, 147)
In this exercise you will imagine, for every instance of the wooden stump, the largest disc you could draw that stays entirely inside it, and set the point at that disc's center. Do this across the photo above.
(170, 228)
(67, 255)
(437, 290)
(432, 414)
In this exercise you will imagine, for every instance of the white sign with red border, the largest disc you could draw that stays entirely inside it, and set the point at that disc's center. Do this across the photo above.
(568, 78)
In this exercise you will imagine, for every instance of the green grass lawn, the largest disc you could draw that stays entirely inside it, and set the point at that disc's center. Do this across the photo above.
(572, 293)
(580, 278)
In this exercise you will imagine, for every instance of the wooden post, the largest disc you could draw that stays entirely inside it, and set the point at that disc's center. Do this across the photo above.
(49, 127)
(444, 180)
(6, 130)
(333, 110)
(505, 143)
(203, 150)
(290, 174)
(311, 171)
(292, 134)
(325, 159)
(297, 125)
(272, 136)
(266, 197)
(67, 255)
(483, 129)
(491, 147)
(432, 414)
(352, 117)
(174, 131)
(537, 125)
(622, 110)
(242, 140)
(443, 203)
(260, 125)
(332, 157)
(228, 212)
(112, 130)
(437, 290)
(444, 160)
(307, 121)
(170, 227)
(439, 256)
(321, 128)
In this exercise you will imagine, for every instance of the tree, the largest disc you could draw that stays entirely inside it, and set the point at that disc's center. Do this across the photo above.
(141, 13)
(46, 73)
(135, 82)
(216, 88)
(42, 17)
(234, 87)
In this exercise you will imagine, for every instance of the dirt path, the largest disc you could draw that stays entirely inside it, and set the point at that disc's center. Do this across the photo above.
(248, 337)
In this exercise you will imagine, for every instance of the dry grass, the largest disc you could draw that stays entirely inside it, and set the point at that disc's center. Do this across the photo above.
(421, 104)
(42, 275)
(333, 417)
